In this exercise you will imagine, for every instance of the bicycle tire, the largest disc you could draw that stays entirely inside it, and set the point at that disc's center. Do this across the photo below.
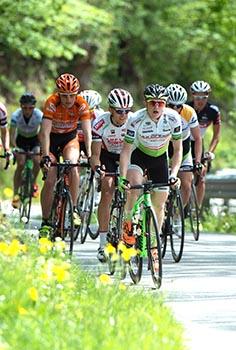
(163, 237)
(153, 242)
(136, 263)
(176, 225)
(194, 214)
(56, 216)
(26, 190)
(67, 222)
(114, 233)
(85, 208)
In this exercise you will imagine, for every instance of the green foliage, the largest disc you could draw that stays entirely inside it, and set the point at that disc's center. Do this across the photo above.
(47, 302)
(224, 222)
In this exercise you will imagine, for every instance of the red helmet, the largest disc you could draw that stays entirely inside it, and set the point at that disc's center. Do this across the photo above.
(67, 83)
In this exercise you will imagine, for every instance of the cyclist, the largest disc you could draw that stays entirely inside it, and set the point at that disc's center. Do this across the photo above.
(24, 130)
(108, 135)
(61, 113)
(4, 131)
(145, 148)
(208, 114)
(190, 126)
(93, 98)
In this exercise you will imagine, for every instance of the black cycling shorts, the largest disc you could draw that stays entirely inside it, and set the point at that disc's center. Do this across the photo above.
(59, 141)
(27, 143)
(156, 168)
(110, 160)
(186, 148)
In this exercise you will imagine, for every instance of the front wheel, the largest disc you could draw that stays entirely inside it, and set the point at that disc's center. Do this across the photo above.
(194, 214)
(26, 191)
(153, 247)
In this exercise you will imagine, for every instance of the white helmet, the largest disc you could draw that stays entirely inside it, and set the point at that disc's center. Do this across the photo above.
(177, 94)
(120, 98)
(92, 97)
(200, 86)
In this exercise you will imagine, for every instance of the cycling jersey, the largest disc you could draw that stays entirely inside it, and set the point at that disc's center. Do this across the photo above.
(188, 120)
(110, 135)
(151, 137)
(65, 119)
(94, 115)
(210, 114)
(27, 127)
(3, 116)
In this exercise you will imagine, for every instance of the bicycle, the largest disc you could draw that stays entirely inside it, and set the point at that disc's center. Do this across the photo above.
(26, 188)
(85, 204)
(7, 163)
(62, 208)
(145, 229)
(173, 226)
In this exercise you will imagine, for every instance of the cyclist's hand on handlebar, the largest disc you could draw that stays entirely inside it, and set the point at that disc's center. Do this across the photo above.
(198, 168)
(123, 183)
(45, 162)
(8, 155)
(209, 155)
(174, 181)
(99, 171)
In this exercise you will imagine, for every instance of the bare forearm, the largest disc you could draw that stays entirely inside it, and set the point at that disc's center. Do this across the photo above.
(5, 138)
(45, 143)
(88, 141)
(177, 158)
(198, 150)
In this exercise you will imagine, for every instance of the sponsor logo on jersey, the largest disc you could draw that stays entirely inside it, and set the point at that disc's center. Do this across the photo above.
(99, 124)
(177, 129)
(51, 107)
(112, 131)
(83, 107)
(130, 133)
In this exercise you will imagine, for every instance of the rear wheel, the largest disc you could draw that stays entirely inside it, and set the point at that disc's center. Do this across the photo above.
(176, 225)
(153, 247)
(136, 262)
(67, 222)
(194, 214)
(26, 191)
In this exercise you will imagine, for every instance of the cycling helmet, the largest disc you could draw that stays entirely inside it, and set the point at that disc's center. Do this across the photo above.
(120, 98)
(200, 86)
(67, 83)
(155, 91)
(92, 97)
(28, 98)
(177, 94)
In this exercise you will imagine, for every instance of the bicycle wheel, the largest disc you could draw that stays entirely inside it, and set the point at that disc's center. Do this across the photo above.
(67, 222)
(136, 262)
(164, 234)
(153, 247)
(114, 234)
(194, 214)
(176, 225)
(85, 208)
(26, 190)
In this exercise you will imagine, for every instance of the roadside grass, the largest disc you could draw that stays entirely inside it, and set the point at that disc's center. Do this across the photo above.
(223, 222)
(48, 302)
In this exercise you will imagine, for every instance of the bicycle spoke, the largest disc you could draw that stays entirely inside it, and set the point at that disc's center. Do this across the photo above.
(176, 226)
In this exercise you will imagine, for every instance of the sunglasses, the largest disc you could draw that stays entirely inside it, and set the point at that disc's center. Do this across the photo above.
(160, 103)
(65, 94)
(204, 97)
(122, 111)
(28, 107)
(174, 106)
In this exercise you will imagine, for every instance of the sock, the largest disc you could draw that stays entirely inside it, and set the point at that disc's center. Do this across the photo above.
(103, 238)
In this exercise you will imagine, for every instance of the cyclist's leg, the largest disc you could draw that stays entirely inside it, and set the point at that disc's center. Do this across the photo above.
(159, 198)
(201, 187)
(20, 161)
(71, 152)
(186, 179)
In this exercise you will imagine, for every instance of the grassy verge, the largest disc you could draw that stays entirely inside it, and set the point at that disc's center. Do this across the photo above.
(224, 222)
(48, 302)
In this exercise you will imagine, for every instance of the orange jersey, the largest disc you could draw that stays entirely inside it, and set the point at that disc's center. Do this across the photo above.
(65, 119)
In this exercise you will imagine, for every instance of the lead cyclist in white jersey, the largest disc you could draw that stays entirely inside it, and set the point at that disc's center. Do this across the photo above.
(150, 131)
(108, 134)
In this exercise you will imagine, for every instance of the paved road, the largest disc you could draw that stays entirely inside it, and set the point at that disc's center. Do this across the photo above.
(201, 289)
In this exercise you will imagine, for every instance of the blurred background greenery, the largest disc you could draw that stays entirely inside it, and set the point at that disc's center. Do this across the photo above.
(109, 43)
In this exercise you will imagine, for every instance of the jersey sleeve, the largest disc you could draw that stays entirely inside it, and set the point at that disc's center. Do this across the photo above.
(14, 118)
(50, 107)
(83, 109)
(130, 132)
(98, 128)
(193, 122)
(3, 116)
(216, 115)
(176, 128)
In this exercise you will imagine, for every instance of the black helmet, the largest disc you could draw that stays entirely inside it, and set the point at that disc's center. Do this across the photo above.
(28, 98)
(153, 91)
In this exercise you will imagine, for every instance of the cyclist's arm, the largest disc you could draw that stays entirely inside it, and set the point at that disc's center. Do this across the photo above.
(197, 144)
(215, 137)
(125, 157)
(96, 152)
(13, 136)
(86, 127)
(5, 138)
(45, 136)
(177, 157)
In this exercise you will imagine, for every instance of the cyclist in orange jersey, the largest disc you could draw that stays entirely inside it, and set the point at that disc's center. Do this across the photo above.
(58, 135)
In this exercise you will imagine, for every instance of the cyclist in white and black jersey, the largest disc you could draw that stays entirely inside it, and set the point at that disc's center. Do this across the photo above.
(4, 130)
(94, 99)
(190, 127)
(24, 129)
(150, 132)
(108, 133)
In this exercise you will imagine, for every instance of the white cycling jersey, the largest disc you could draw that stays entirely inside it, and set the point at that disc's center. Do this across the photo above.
(111, 136)
(24, 128)
(152, 138)
(3, 116)
(189, 120)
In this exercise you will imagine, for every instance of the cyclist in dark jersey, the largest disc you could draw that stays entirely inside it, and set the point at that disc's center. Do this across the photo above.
(208, 114)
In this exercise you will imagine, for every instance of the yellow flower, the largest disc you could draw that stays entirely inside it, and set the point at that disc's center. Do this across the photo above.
(122, 286)
(22, 311)
(105, 279)
(33, 293)
(128, 254)
(109, 249)
(3, 248)
(8, 192)
(45, 245)
(14, 248)
(60, 273)
(60, 245)
(122, 247)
